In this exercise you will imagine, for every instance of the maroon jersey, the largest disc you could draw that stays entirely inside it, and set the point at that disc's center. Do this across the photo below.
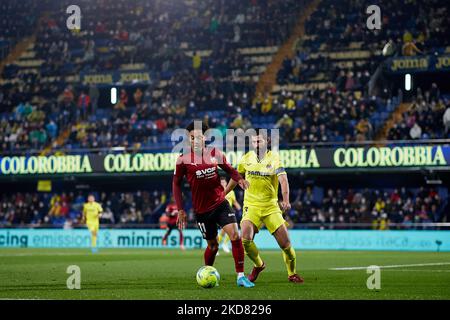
(202, 174)
(172, 213)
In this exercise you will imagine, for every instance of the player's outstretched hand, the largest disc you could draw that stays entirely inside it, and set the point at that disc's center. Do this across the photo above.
(285, 206)
(181, 219)
(244, 184)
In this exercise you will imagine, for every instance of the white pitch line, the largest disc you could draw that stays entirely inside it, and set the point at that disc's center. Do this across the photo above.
(20, 299)
(395, 266)
(420, 270)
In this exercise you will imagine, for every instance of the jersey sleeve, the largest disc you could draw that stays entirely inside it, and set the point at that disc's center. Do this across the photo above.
(84, 209)
(180, 171)
(99, 208)
(279, 169)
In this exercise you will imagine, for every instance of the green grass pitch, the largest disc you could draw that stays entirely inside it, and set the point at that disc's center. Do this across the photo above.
(170, 274)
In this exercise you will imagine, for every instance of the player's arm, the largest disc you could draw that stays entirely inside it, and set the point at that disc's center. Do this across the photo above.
(234, 174)
(230, 186)
(99, 211)
(180, 171)
(83, 218)
(284, 183)
(236, 204)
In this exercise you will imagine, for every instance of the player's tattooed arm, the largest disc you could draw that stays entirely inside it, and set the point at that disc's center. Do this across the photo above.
(284, 204)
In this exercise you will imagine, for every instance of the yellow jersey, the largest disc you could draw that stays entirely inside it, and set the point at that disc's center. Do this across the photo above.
(263, 178)
(92, 211)
(231, 197)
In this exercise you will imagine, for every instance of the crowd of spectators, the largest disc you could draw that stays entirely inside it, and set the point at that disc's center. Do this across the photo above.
(157, 35)
(17, 20)
(427, 118)
(377, 207)
(65, 209)
(413, 28)
(317, 206)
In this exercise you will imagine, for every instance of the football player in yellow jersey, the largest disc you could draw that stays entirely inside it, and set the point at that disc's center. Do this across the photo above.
(263, 170)
(231, 198)
(91, 216)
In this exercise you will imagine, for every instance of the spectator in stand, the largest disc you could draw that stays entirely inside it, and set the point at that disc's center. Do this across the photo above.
(84, 101)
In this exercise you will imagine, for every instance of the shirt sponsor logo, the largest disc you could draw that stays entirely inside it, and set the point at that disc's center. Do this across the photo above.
(259, 173)
(208, 172)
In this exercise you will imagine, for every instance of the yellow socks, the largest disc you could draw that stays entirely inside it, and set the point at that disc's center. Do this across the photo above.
(93, 241)
(290, 260)
(252, 252)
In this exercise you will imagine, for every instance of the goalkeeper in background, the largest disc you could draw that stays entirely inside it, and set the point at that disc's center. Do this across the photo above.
(231, 198)
(262, 169)
(91, 216)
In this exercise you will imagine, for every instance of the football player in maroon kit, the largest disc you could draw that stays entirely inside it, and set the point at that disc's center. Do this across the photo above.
(201, 167)
(172, 216)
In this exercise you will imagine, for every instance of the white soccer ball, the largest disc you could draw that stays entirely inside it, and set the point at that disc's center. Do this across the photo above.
(208, 277)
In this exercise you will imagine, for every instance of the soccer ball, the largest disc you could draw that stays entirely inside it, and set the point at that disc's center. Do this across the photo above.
(208, 277)
(388, 49)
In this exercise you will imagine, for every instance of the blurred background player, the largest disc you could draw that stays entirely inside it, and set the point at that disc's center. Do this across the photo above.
(91, 216)
(263, 169)
(200, 166)
(231, 198)
(172, 215)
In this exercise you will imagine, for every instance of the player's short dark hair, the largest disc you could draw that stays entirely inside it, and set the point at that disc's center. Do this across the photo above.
(223, 178)
(191, 126)
(261, 131)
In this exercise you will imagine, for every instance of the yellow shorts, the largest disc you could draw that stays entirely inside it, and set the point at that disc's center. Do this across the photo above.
(270, 216)
(93, 226)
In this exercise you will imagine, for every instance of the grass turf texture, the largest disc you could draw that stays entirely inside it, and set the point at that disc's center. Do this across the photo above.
(170, 274)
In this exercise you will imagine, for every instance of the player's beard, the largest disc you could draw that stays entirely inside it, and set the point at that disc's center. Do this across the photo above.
(261, 152)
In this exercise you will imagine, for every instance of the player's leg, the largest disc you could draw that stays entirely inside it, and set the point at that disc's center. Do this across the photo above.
(211, 251)
(93, 228)
(208, 228)
(226, 218)
(225, 246)
(237, 248)
(166, 235)
(221, 236)
(181, 239)
(251, 250)
(223, 240)
(282, 236)
(250, 223)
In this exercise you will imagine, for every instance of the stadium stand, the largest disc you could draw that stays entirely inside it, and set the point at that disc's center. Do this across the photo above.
(313, 206)
(205, 61)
